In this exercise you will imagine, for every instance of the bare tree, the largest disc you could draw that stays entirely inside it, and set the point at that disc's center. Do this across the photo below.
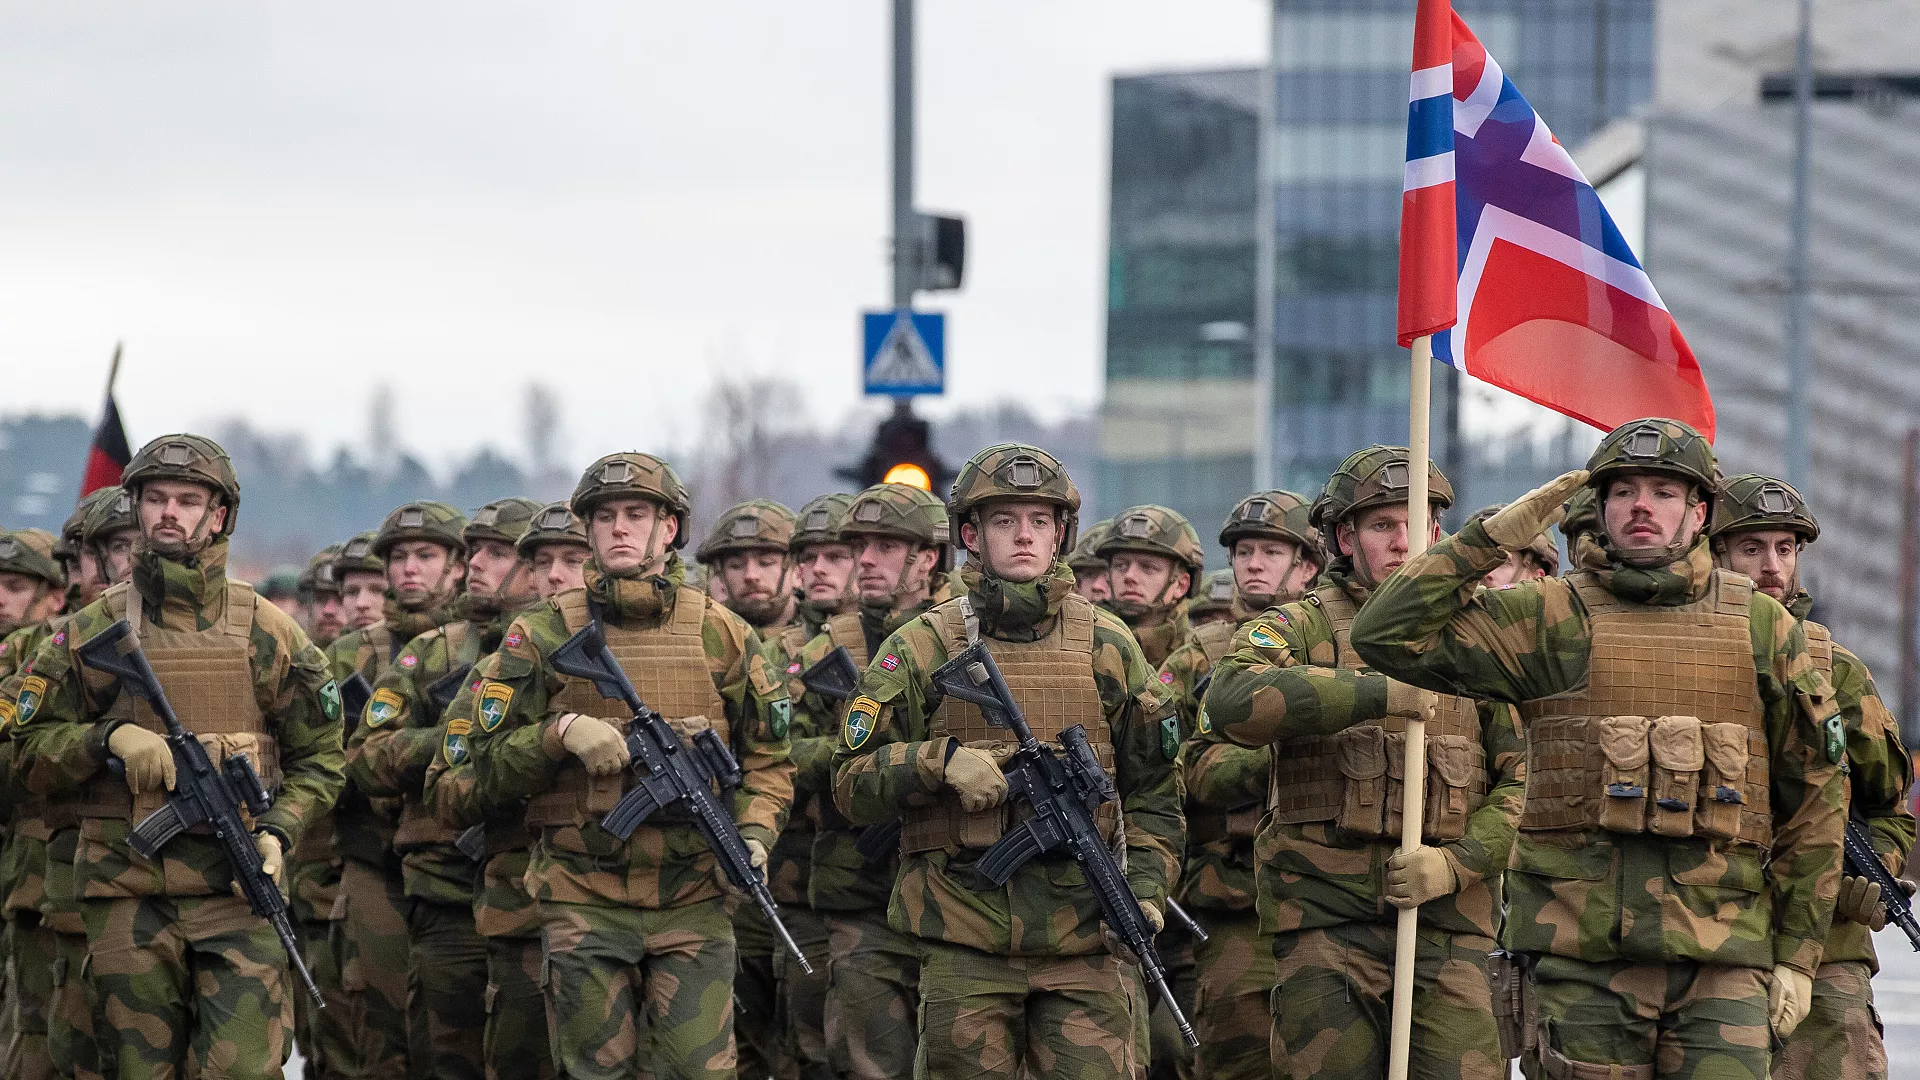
(750, 425)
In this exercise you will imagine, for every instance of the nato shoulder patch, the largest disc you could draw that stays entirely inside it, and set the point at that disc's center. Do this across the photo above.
(32, 692)
(862, 715)
(454, 747)
(1263, 636)
(7, 714)
(494, 699)
(384, 705)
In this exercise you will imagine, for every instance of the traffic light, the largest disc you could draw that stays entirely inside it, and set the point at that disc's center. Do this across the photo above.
(902, 453)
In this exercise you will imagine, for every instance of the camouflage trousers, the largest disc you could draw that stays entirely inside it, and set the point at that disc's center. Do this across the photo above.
(1061, 1017)
(1168, 1055)
(764, 1049)
(1333, 995)
(604, 965)
(188, 986)
(446, 992)
(31, 948)
(1841, 1037)
(873, 996)
(803, 997)
(1234, 984)
(368, 938)
(70, 1040)
(314, 1028)
(517, 1045)
(1601, 1020)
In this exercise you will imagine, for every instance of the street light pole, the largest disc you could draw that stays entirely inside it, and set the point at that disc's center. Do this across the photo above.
(1799, 305)
(906, 246)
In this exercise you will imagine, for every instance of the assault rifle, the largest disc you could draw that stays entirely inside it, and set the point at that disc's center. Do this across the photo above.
(1061, 788)
(442, 691)
(1185, 919)
(202, 795)
(1863, 861)
(834, 677)
(669, 774)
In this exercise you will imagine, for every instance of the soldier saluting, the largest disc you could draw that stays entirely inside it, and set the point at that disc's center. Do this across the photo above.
(1679, 848)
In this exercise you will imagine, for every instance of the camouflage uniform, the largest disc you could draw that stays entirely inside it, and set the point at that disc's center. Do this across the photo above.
(1840, 1038)
(873, 993)
(1294, 683)
(1156, 530)
(368, 935)
(779, 1025)
(1213, 600)
(817, 523)
(399, 734)
(187, 980)
(316, 581)
(641, 924)
(1650, 949)
(31, 938)
(1083, 558)
(1229, 979)
(1016, 977)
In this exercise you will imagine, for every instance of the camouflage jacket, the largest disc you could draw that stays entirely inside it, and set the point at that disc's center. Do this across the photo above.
(502, 906)
(400, 734)
(842, 879)
(517, 755)
(23, 867)
(363, 824)
(788, 865)
(888, 764)
(1158, 642)
(1283, 681)
(1879, 774)
(1226, 785)
(62, 730)
(1569, 893)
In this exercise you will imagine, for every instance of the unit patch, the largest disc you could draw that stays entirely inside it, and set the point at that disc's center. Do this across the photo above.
(32, 692)
(1263, 636)
(494, 699)
(383, 706)
(862, 715)
(454, 747)
(889, 661)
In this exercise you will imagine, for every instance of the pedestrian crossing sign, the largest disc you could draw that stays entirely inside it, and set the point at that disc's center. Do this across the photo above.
(905, 353)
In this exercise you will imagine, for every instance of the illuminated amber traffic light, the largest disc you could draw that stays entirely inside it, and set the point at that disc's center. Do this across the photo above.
(909, 474)
(901, 453)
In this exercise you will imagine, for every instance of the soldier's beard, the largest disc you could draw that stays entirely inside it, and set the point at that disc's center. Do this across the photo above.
(761, 611)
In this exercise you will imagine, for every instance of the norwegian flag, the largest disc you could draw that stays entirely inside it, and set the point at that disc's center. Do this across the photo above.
(1509, 260)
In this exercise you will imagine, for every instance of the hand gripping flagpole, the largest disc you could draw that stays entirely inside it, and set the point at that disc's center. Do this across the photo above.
(1407, 937)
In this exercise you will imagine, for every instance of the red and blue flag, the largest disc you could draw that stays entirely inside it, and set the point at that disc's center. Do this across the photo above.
(1509, 260)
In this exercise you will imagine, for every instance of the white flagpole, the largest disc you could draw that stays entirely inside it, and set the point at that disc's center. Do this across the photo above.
(1414, 786)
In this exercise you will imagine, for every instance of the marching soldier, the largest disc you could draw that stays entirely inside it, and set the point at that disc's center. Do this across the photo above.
(1230, 978)
(1090, 570)
(1760, 526)
(1018, 977)
(401, 732)
(325, 613)
(899, 536)
(188, 981)
(1213, 601)
(1329, 879)
(422, 550)
(1154, 558)
(1672, 885)
(363, 580)
(639, 924)
(822, 562)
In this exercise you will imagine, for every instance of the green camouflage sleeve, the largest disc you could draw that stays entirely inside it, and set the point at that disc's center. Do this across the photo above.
(350, 652)
(1881, 771)
(57, 745)
(398, 736)
(1222, 776)
(1265, 691)
(1146, 744)
(1483, 852)
(1179, 673)
(1808, 790)
(761, 717)
(1428, 625)
(816, 725)
(448, 789)
(884, 761)
(15, 652)
(511, 760)
(302, 707)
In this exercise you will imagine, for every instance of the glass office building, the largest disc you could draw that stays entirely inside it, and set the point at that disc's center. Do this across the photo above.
(1177, 423)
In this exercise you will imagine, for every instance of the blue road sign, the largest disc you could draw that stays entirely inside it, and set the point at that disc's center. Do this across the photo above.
(905, 353)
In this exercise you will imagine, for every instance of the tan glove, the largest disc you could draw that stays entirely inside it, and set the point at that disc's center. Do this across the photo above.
(1789, 996)
(975, 776)
(598, 744)
(756, 857)
(1119, 948)
(271, 860)
(1407, 700)
(1520, 521)
(147, 757)
(1417, 876)
(1861, 902)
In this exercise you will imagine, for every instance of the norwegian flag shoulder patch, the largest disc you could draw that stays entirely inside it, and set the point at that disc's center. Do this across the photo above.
(889, 661)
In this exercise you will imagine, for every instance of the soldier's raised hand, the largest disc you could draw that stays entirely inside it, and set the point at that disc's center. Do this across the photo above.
(1526, 517)
(598, 744)
(147, 757)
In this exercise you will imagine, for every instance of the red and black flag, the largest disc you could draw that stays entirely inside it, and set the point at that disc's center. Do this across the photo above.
(109, 453)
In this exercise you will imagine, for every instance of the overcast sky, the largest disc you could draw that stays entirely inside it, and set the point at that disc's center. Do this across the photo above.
(279, 206)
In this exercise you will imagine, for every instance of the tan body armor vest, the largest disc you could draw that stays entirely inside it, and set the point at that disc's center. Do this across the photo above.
(208, 678)
(1356, 778)
(1205, 824)
(419, 826)
(667, 664)
(1669, 734)
(1052, 679)
(845, 631)
(1819, 646)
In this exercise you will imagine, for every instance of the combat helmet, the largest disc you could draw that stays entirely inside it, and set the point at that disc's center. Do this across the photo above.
(633, 475)
(1375, 476)
(1658, 445)
(504, 521)
(435, 522)
(30, 552)
(1542, 548)
(820, 520)
(1156, 530)
(317, 579)
(358, 556)
(1014, 471)
(1271, 515)
(1752, 501)
(1082, 556)
(759, 525)
(73, 531)
(195, 459)
(901, 511)
(1214, 597)
(554, 524)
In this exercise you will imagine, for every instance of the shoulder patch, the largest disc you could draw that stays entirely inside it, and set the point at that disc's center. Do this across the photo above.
(60, 637)
(889, 662)
(1206, 722)
(1263, 636)
(33, 691)
(494, 699)
(330, 700)
(793, 668)
(515, 639)
(1167, 677)
(780, 716)
(7, 714)
(409, 661)
(454, 747)
(383, 706)
(862, 715)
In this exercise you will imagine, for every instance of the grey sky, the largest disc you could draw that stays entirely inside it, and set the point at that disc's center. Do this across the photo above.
(278, 206)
